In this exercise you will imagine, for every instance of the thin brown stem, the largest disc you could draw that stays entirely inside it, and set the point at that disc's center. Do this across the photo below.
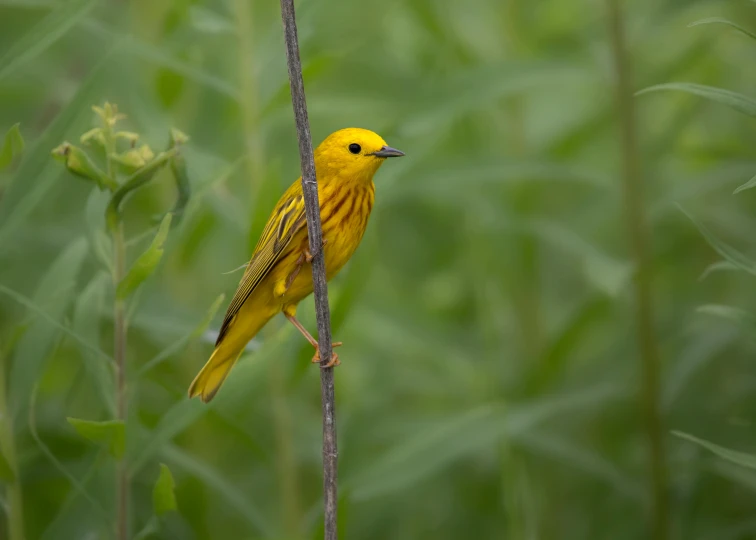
(312, 209)
(637, 227)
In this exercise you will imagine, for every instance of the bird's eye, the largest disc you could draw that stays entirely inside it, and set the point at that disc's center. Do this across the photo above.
(355, 148)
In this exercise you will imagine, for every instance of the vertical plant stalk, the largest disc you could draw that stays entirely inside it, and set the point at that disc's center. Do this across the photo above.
(526, 291)
(637, 226)
(312, 210)
(8, 448)
(119, 354)
(119, 346)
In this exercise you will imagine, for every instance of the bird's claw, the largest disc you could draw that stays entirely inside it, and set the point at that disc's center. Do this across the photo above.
(334, 357)
(309, 256)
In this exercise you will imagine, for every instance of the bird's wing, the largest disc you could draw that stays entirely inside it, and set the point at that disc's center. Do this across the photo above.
(287, 218)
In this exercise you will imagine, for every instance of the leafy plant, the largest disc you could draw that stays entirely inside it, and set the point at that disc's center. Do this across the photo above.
(733, 258)
(127, 167)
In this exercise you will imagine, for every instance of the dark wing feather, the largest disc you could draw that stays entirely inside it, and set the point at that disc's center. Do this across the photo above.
(285, 221)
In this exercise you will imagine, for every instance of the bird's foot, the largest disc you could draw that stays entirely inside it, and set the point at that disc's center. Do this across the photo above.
(309, 256)
(334, 357)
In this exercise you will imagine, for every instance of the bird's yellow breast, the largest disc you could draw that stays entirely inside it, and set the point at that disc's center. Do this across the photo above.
(344, 212)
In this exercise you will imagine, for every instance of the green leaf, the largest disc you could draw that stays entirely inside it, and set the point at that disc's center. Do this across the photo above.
(163, 496)
(146, 263)
(43, 35)
(739, 458)
(110, 432)
(720, 20)
(13, 145)
(730, 254)
(6, 471)
(748, 185)
(54, 294)
(739, 102)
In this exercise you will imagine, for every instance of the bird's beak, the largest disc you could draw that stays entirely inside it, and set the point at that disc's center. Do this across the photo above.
(387, 151)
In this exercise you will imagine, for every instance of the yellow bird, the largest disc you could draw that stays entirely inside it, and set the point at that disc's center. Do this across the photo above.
(279, 275)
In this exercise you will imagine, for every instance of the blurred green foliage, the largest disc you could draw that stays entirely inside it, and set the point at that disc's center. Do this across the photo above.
(490, 377)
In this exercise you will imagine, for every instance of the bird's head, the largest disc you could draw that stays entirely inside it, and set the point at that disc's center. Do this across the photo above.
(352, 152)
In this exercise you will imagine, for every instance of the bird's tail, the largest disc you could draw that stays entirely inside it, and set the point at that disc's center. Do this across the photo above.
(209, 380)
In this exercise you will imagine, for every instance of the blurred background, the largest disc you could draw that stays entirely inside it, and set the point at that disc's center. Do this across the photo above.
(492, 381)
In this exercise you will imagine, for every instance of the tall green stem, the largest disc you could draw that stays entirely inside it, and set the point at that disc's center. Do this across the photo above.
(8, 448)
(119, 346)
(526, 293)
(524, 279)
(119, 354)
(637, 227)
(255, 163)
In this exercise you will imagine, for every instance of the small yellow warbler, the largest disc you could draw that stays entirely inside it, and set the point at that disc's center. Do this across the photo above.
(279, 276)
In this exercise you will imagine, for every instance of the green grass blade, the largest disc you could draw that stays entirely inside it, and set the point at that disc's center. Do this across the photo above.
(429, 450)
(741, 317)
(87, 324)
(748, 185)
(13, 145)
(718, 266)
(34, 308)
(43, 35)
(156, 55)
(75, 482)
(54, 291)
(178, 418)
(37, 170)
(729, 253)
(721, 20)
(739, 458)
(738, 102)
(583, 459)
(179, 345)
(230, 493)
